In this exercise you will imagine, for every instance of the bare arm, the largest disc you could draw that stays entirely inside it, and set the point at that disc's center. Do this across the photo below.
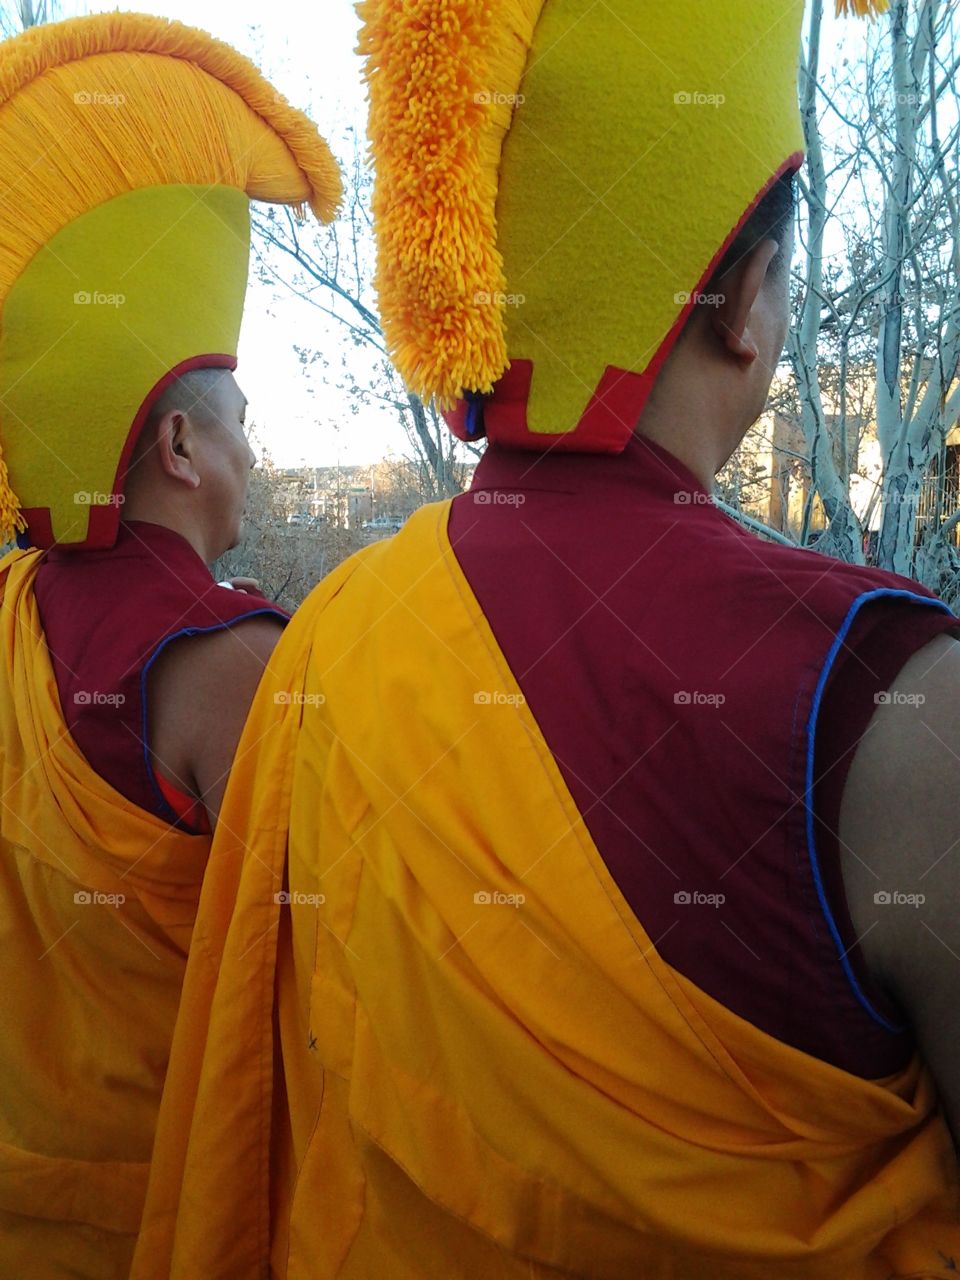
(199, 692)
(900, 835)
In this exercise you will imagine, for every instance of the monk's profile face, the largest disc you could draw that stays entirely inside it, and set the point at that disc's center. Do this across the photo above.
(224, 457)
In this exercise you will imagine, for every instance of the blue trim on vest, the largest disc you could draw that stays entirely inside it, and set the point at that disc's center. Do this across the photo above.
(878, 593)
(474, 424)
(175, 819)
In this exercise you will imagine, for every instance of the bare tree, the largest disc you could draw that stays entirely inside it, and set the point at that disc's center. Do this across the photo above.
(332, 268)
(21, 14)
(803, 342)
(882, 136)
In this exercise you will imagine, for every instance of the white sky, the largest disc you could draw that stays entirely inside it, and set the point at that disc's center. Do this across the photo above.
(306, 48)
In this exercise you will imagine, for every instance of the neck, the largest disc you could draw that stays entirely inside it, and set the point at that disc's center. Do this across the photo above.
(698, 453)
(692, 425)
(137, 507)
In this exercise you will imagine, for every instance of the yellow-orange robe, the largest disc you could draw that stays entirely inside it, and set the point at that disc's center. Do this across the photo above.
(424, 1036)
(97, 901)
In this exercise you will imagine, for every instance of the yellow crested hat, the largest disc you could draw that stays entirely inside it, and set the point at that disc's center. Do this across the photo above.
(130, 149)
(555, 182)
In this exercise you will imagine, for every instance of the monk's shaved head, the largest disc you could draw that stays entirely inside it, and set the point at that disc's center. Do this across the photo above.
(191, 462)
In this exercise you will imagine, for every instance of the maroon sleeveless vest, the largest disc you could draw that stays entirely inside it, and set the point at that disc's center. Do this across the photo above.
(677, 666)
(106, 616)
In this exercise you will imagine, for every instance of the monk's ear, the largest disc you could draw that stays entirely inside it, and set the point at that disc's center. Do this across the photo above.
(176, 439)
(734, 319)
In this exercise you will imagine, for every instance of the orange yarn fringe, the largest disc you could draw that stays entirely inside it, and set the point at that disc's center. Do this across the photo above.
(862, 8)
(440, 275)
(27, 56)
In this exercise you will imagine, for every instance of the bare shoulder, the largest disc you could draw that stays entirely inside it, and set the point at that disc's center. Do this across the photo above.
(899, 819)
(200, 691)
(243, 647)
(910, 751)
(218, 666)
(900, 842)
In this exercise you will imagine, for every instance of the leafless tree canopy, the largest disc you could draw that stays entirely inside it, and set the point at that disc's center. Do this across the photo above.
(332, 268)
(875, 340)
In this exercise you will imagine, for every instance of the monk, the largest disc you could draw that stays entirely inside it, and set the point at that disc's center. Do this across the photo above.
(177, 659)
(130, 149)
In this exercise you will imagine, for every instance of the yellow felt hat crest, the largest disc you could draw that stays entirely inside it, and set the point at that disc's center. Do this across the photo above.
(556, 179)
(130, 149)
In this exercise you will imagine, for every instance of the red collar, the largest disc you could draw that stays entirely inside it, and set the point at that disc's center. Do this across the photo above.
(642, 464)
